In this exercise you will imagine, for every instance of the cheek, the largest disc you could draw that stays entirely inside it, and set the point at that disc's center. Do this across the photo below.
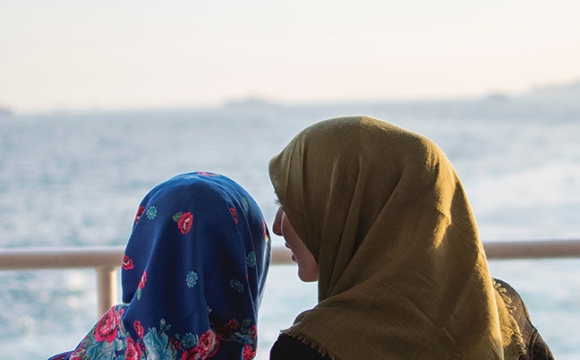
(308, 268)
(287, 228)
(291, 237)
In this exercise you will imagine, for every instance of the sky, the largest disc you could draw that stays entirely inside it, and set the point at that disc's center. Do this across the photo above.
(127, 54)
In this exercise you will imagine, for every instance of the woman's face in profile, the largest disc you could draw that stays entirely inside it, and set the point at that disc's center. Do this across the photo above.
(307, 266)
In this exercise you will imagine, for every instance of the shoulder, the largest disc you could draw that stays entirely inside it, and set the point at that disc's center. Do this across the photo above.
(535, 346)
(289, 348)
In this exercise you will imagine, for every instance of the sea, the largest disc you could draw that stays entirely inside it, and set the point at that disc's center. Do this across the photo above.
(76, 178)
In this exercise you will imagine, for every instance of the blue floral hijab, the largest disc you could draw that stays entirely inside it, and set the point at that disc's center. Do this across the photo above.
(193, 276)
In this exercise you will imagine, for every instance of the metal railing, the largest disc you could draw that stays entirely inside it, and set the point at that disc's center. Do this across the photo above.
(106, 260)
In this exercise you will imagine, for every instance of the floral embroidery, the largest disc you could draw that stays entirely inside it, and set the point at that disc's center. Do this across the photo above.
(79, 352)
(190, 341)
(106, 328)
(249, 353)
(236, 285)
(105, 339)
(234, 214)
(141, 285)
(120, 312)
(184, 221)
(175, 342)
(151, 212)
(157, 345)
(59, 356)
(190, 355)
(252, 332)
(251, 259)
(233, 325)
(205, 173)
(139, 213)
(127, 263)
(138, 328)
(109, 340)
(143, 280)
(244, 333)
(133, 350)
(208, 344)
(191, 279)
(100, 350)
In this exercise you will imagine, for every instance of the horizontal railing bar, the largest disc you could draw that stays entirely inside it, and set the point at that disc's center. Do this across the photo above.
(60, 257)
(545, 249)
(111, 256)
(105, 260)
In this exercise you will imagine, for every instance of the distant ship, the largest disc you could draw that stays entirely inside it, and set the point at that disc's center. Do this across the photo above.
(5, 111)
(251, 103)
(563, 94)
(569, 93)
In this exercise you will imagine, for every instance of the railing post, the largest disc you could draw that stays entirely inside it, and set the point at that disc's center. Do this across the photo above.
(107, 287)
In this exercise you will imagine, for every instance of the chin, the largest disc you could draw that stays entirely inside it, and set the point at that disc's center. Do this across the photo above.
(308, 277)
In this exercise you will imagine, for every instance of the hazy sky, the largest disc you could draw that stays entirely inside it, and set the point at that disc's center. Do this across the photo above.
(122, 54)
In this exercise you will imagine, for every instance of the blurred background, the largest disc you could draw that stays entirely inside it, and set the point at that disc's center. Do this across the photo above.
(101, 101)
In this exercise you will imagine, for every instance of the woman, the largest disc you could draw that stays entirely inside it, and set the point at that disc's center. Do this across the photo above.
(378, 216)
(193, 275)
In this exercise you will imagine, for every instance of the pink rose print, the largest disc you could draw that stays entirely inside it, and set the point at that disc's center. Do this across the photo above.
(106, 329)
(139, 213)
(138, 328)
(127, 263)
(190, 355)
(60, 356)
(120, 315)
(143, 280)
(234, 214)
(133, 350)
(249, 353)
(184, 223)
(141, 284)
(79, 353)
(208, 344)
(205, 173)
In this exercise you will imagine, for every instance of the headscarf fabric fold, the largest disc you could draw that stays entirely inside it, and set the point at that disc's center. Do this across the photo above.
(403, 274)
(193, 275)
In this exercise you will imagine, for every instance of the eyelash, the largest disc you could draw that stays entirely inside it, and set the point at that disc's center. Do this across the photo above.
(277, 202)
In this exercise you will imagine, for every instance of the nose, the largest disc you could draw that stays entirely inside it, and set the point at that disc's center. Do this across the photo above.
(277, 225)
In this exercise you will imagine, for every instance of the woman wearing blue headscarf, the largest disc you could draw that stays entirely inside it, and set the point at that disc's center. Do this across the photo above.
(193, 276)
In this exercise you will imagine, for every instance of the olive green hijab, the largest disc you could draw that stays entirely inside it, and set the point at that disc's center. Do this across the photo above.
(403, 274)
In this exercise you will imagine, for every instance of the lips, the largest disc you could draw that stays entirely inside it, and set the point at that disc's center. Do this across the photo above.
(293, 258)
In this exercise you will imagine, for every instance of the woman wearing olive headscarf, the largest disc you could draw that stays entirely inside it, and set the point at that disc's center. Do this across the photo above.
(379, 217)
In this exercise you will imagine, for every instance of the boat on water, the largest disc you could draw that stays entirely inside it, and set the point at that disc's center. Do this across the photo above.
(4, 111)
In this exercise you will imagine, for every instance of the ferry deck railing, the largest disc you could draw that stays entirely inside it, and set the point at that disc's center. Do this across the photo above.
(107, 260)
